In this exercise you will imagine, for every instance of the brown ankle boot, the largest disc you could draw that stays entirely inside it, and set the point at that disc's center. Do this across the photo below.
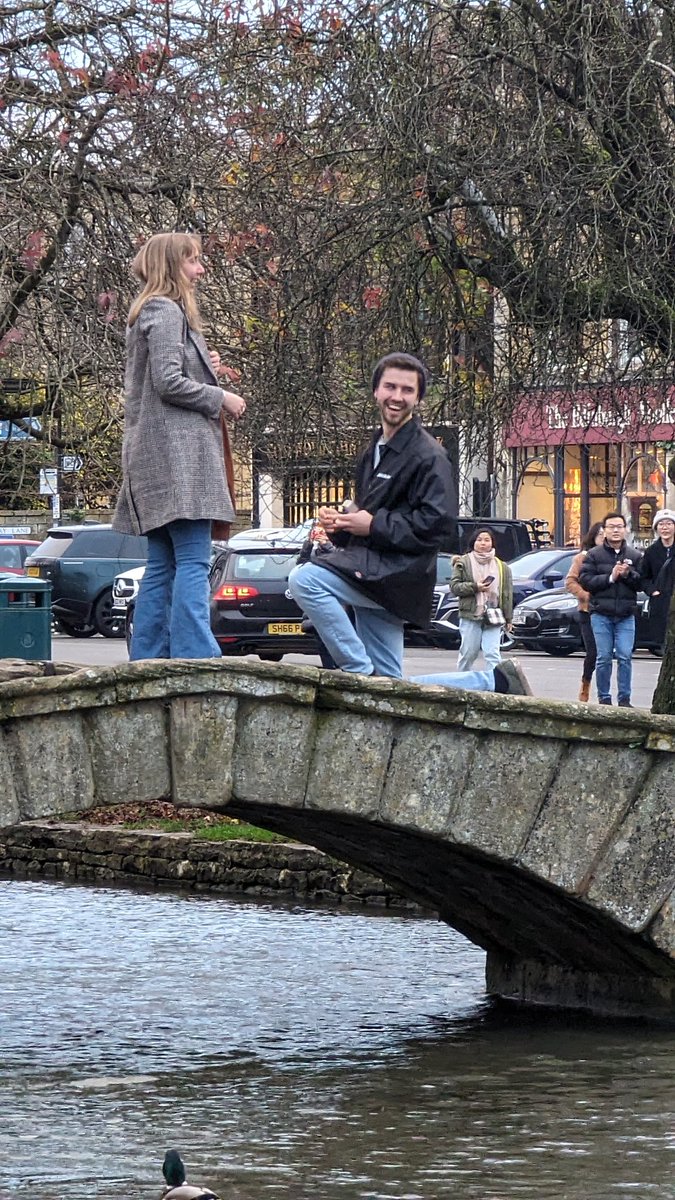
(584, 690)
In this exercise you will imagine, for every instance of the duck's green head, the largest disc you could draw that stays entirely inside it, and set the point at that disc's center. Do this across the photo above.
(173, 1169)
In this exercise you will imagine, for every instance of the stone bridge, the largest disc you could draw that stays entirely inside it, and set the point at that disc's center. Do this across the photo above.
(543, 831)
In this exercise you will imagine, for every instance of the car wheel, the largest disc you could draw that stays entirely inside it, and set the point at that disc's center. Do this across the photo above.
(76, 631)
(106, 624)
(507, 641)
(559, 651)
(267, 657)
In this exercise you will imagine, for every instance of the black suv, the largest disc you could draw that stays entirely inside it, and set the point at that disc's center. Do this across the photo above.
(512, 537)
(80, 562)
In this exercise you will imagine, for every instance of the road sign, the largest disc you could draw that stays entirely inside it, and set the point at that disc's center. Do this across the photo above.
(15, 531)
(49, 481)
(56, 506)
(71, 463)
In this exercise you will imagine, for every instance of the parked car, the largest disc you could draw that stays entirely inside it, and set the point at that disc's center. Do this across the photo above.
(540, 570)
(512, 537)
(13, 554)
(81, 562)
(252, 611)
(549, 621)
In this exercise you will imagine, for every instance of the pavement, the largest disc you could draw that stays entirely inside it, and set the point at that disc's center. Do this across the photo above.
(550, 678)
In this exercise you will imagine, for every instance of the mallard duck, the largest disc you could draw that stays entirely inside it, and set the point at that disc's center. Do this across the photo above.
(177, 1188)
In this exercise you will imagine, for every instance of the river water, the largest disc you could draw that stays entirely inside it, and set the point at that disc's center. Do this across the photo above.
(305, 1053)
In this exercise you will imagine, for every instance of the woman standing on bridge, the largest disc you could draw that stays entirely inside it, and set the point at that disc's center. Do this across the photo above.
(175, 451)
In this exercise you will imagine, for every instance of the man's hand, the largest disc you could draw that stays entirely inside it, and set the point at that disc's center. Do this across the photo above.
(620, 570)
(327, 517)
(358, 522)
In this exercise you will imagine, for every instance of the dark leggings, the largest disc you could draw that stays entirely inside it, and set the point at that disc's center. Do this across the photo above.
(587, 638)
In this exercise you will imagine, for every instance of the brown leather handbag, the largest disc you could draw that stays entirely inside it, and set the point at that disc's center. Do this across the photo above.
(220, 530)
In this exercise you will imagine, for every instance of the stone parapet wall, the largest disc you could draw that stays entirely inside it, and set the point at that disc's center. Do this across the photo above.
(103, 854)
(543, 831)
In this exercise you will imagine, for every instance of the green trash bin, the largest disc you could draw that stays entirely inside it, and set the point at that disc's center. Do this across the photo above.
(25, 618)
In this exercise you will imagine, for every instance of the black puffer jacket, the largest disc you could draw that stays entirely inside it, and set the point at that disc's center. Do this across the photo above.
(410, 496)
(617, 599)
(657, 573)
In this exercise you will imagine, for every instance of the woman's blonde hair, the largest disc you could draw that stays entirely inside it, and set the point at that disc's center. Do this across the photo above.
(158, 266)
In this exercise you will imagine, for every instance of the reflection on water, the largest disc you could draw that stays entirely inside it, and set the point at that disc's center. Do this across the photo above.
(298, 1052)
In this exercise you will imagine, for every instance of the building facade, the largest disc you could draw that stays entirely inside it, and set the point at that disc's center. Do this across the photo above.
(575, 455)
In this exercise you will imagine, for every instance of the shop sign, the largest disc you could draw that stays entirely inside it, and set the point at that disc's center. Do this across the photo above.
(592, 418)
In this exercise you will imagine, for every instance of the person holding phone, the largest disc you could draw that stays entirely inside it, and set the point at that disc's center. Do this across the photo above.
(484, 586)
(611, 574)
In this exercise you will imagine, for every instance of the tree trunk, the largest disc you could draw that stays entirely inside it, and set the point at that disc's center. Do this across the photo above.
(664, 695)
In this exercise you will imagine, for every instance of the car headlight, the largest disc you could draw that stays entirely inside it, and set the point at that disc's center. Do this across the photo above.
(562, 603)
(518, 614)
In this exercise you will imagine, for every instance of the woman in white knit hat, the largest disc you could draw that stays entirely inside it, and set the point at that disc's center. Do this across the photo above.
(657, 572)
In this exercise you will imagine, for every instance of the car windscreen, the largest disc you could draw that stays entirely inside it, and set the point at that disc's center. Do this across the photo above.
(10, 556)
(54, 545)
(253, 566)
(529, 565)
(444, 568)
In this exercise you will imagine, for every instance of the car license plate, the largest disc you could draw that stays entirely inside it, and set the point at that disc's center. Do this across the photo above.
(285, 627)
(33, 571)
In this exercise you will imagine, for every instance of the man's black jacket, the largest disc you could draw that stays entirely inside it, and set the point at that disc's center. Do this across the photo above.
(410, 495)
(618, 599)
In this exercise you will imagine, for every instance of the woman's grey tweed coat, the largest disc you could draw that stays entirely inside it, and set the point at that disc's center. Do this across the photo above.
(172, 453)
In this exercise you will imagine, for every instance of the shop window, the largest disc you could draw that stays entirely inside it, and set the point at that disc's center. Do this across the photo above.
(643, 491)
(534, 493)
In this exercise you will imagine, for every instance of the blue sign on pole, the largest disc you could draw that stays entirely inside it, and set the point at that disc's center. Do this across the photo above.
(9, 431)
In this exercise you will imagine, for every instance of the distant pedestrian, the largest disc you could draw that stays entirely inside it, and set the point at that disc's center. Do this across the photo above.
(594, 537)
(610, 572)
(657, 573)
(484, 587)
(174, 471)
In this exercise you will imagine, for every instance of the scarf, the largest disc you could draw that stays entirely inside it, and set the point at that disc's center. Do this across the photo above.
(482, 565)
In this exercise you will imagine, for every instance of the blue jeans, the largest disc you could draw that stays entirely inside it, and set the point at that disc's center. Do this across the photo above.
(477, 637)
(473, 681)
(613, 638)
(372, 645)
(171, 618)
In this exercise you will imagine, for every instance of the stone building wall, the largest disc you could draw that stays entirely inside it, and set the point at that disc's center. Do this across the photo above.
(106, 854)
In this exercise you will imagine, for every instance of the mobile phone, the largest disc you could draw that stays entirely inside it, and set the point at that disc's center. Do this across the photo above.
(489, 579)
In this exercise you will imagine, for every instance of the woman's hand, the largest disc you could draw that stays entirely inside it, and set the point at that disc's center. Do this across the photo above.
(483, 587)
(215, 361)
(234, 405)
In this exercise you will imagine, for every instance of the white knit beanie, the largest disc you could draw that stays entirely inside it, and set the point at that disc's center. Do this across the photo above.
(664, 514)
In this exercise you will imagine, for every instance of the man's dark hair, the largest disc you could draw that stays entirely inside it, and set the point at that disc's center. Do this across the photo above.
(402, 362)
(614, 516)
(588, 541)
(476, 534)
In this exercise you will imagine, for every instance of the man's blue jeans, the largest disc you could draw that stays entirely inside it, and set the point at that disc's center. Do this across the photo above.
(613, 638)
(376, 644)
(171, 618)
(472, 681)
(373, 645)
